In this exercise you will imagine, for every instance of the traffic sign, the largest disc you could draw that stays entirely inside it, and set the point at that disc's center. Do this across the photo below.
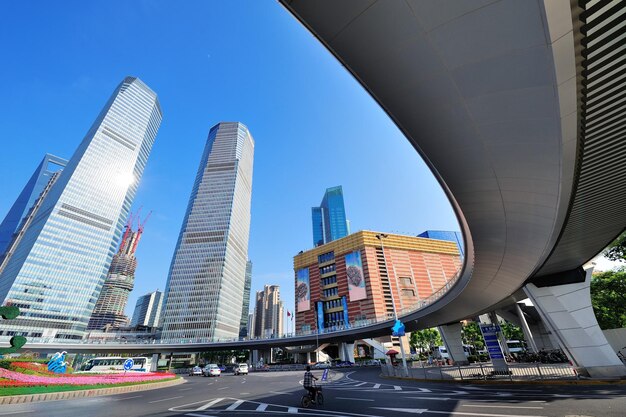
(128, 364)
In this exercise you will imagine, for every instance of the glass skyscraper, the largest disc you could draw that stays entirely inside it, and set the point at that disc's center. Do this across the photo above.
(60, 264)
(243, 325)
(455, 237)
(27, 197)
(205, 285)
(329, 219)
(148, 310)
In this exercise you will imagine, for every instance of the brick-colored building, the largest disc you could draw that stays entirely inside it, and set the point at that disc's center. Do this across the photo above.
(415, 268)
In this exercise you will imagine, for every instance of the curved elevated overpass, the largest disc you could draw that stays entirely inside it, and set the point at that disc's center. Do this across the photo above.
(517, 107)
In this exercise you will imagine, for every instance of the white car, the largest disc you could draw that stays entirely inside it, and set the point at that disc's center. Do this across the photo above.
(196, 370)
(321, 365)
(241, 369)
(211, 370)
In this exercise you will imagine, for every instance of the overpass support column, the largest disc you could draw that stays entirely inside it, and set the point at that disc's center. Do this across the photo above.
(308, 357)
(528, 335)
(452, 339)
(567, 310)
(346, 352)
(155, 362)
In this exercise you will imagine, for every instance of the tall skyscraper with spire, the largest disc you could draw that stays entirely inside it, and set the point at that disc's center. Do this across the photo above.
(109, 310)
(205, 285)
(57, 271)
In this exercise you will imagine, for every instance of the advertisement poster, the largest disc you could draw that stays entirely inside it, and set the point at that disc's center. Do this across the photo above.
(303, 291)
(356, 280)
(320, 316)
(346, 321)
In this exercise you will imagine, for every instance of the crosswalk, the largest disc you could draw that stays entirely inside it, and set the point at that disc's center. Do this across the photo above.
(350, 385)
(226, 405)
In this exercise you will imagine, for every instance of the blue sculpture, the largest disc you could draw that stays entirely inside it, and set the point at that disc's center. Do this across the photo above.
(397, 329)
(57, 363)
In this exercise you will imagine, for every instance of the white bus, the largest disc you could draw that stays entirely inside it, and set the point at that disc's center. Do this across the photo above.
(115, 364)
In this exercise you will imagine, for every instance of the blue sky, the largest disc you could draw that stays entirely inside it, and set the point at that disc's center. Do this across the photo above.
(248, 61)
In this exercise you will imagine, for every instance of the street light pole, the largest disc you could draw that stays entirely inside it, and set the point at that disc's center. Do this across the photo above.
(405, 369)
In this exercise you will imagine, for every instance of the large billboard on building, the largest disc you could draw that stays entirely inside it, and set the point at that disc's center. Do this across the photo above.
(356, 279)
(303, 291)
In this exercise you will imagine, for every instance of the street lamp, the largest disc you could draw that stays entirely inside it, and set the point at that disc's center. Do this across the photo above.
(380, 237)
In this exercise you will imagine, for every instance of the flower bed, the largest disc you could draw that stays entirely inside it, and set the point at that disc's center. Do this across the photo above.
(10, 378)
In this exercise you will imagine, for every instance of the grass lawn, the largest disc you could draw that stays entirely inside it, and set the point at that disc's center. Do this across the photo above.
(4, 391)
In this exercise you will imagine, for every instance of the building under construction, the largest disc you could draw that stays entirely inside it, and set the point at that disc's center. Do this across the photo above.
(109, 310)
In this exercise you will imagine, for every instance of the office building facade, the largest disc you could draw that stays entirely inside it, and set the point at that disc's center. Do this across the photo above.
(348, 280)
(268, 313)
(34, 187)
(111, 304)
(57, 271)
(206, 281)
(148, 310)
(243, 325)
(455, 237)
(329, 219)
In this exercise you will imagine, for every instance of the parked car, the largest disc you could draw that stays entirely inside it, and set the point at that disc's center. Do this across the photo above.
(211, 370)
(196, 370)
(222, 367)
(241, 369)
(322, 365)
(371, 362)
(344, 364)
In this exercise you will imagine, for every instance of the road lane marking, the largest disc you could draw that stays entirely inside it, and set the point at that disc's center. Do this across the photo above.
(128, 398)
(244, 393)
(234, 405)
(397, 388)
(460, 413)
(17, 412)
(209, 404)
(498, 406)
(165, 399)
(376, 386)
(185, 389)
(292, 410)
(353, 399)
(280, 393)
(222, 388)
(261, 407)
(361, 384)
(431, 398)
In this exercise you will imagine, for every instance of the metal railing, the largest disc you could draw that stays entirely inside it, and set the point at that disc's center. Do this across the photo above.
(352, 325)
(485, 371)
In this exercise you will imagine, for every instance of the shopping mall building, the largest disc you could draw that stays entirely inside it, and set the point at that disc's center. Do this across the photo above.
(364, 276)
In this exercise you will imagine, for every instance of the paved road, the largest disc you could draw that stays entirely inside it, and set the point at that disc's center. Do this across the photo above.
(358, 393)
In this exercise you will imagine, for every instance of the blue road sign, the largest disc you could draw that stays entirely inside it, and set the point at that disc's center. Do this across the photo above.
(128, 364)
(325, 375)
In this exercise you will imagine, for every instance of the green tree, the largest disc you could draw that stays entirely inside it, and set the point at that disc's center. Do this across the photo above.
(425, 340)
(616, 251)
(608, 298)
(472, 335)
(511, 331)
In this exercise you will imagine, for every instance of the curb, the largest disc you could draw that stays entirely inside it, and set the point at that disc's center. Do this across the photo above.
(508, 382)
(66, 395)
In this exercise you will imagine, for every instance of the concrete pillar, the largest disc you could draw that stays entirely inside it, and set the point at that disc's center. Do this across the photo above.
(308, 357)
(453, 340)
(154, 363)
(346, 352)
(528, 335)
(254, 358)
(567, 311)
